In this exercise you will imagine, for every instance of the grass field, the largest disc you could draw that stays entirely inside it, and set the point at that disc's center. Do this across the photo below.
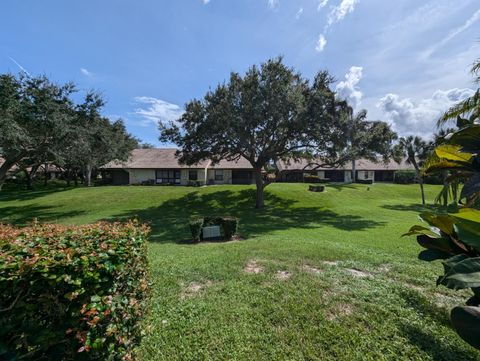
(318, 276)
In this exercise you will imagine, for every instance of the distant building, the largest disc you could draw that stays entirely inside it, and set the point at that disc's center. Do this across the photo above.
(161, 166)
(295, 171)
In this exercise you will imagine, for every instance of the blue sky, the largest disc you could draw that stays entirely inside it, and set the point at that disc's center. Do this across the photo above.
(405, 61)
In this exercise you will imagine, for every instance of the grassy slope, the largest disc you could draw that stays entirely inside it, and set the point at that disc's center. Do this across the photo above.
(206, 306)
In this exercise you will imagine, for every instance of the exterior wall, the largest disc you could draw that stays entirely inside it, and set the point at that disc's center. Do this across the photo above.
(184, 176)
(366, 175)
(347, 176)
(227, 176)
(137, 176)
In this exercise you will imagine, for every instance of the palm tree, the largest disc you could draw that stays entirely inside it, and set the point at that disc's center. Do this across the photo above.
(468, 110)
(415, 151)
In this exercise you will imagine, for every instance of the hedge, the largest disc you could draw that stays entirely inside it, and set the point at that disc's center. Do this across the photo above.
(228, 225)
(404, 177)
(72, 292)
(316, 188)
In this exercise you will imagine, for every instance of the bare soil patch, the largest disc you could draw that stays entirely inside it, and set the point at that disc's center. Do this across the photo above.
(358, 273)
(340, 310)
(253, 267)
(283, 275)
(330, 263)
(194, 288)
(311, 269)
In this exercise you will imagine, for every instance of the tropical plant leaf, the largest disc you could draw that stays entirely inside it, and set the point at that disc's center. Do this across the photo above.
(471, 186)
(443, 222)
(430, 255)
(468, 138)
(419, 230)
(461, 272)
(440, 244)
(452, 153)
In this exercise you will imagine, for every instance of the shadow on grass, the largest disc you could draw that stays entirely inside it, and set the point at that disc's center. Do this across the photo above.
(413, 207)
(425, 307)
(169, 221)
(435, 346)
(424, 339)
(24, 195)
(24, 215)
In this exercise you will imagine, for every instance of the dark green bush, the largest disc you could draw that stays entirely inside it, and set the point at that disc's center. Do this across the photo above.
(72, 293)
(364, 181)
(404, 177)
(196, 225)
(194, 183)
(435, 178)
(228, 226)
(316, 188)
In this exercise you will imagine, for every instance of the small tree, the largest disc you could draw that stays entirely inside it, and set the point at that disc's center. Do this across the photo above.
(268, 114)
(415, 150)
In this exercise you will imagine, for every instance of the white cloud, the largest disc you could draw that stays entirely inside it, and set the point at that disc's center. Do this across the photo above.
(205, 2)
(272, 4)
(453, 33)
(157, 111)
(339, 12)
(86, 72)
(321, 43)
(321, 4)
(299, 13)
(348, 90)
(409, 117)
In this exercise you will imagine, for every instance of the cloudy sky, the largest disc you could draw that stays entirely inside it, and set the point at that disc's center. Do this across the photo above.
(405, 61)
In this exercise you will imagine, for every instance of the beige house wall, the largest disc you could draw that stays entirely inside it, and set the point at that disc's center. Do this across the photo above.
(227, 176)
(366, 175)
(137, 176)
(184, 175)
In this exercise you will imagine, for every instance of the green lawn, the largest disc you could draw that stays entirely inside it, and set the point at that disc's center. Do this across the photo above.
(318, 276)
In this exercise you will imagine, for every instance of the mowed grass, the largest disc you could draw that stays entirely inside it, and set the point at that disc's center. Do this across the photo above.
(318, 276)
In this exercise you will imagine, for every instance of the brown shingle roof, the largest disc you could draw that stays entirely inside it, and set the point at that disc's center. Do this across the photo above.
(361, 164)
(156, 158)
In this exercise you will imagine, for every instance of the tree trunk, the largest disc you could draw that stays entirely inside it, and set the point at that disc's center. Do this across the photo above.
(420, 179)
(29, 176)
(4, 168)
(45, 174)
(88, 175)
(354, 171)
(259, 203)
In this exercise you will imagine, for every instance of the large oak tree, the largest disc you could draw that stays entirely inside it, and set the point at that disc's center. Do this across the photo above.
(269, 114)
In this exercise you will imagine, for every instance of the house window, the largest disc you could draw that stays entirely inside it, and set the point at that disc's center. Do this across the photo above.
(219, 175)
(167, 176)
(365, 175)
(192, 175)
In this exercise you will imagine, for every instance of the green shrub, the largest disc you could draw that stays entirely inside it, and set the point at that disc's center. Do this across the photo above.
(404, 177)
(228, 225)
(196, 225)
(316, 188)
(72, 293)
(194, 183)
(433, 178)
(364, 181)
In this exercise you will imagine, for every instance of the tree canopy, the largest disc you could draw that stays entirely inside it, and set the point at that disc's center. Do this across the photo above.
(40, 124)
(269, 114)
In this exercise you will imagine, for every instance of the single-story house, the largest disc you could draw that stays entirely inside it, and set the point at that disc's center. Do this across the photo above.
(161, 166)
(295, 171)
